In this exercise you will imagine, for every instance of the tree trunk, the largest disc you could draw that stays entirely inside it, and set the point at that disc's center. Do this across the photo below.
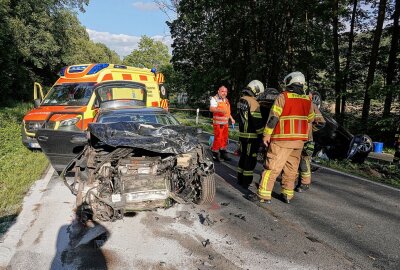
(335, 23)
(348, 60)
(373, 60)
(392, 60)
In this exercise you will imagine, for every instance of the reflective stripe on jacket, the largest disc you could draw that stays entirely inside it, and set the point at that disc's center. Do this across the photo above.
(294, 119)
(250, 119)
(220, 118)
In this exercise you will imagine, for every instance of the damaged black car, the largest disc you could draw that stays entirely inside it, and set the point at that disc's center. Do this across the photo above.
(131, 158)
(332, 141)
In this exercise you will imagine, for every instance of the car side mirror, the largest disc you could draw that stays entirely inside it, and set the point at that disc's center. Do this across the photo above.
(36, 102)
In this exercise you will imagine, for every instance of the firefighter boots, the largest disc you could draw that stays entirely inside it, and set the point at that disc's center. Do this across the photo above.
(265, 201)
(285, 198)
(303, 188)
(224, 155)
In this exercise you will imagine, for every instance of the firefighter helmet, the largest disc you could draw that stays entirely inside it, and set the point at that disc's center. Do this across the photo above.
(294, 78)
(256, 87)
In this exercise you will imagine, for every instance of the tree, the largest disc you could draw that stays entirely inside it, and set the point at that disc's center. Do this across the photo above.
(373, 61)
(37, 38)
(346, 70)
(335, 32)
(391, 67)
(150, 53)
(244, 40)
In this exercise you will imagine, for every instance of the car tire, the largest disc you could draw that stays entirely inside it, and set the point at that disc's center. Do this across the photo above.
(363, 149)
(207, 191)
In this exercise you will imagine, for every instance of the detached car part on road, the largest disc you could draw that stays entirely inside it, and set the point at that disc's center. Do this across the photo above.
(332, 140)
(133, 158)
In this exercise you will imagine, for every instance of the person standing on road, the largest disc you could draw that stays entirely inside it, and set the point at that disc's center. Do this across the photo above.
(308, 149)
(286, 131)
(250, 132)
(221, 109)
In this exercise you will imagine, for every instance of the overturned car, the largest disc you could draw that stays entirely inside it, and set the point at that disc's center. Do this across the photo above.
(132, 158)
(332, 140)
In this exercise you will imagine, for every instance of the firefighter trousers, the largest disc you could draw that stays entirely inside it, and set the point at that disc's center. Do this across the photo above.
(220, 137)
(278, 159)
(247, 161)
(305, 169)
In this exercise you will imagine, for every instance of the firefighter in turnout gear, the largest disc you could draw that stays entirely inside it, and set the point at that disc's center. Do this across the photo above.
(221, 109)
(251, 128)
(308, 150)
(286, 131)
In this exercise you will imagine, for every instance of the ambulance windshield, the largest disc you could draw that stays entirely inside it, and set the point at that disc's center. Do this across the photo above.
(72, 94)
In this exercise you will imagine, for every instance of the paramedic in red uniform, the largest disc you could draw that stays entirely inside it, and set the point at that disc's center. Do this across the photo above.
(221, 109)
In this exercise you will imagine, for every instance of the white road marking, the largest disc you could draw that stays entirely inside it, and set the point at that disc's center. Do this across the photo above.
(356, 177)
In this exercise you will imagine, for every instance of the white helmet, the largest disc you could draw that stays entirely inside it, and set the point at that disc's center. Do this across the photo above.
(294, 78)
(256, 87)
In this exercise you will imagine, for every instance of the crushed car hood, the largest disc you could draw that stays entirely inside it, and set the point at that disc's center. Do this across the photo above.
(153, 137)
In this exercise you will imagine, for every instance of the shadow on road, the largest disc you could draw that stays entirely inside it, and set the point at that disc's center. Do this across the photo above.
(79, 246)
(6, 222)
(227, 170)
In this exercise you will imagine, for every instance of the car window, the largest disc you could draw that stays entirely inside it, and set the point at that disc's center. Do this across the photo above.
(129, 118)
(121, 93)
(163, 119)
(72, 94)
(166, 119)
(144, 118)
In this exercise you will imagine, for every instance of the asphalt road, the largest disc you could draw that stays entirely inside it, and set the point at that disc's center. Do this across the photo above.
(341, 223)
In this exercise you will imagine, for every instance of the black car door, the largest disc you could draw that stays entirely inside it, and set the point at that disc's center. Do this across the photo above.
(60, 146)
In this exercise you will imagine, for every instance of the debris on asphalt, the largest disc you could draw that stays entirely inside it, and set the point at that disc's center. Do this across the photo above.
(225, 204)
(206, 221)
(205, 242)
(183, 215)
(241, 216)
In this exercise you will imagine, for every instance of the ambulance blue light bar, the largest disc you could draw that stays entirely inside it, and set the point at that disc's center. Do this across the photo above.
(76, 69)
(62, 71)
(97, 68)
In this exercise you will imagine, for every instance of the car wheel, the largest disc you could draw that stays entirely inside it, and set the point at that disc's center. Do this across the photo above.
(206, 191)
(316, 99)
(364, 147)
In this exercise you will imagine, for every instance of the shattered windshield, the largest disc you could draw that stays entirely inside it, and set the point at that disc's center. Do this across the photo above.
(72, 94)
(164, 119)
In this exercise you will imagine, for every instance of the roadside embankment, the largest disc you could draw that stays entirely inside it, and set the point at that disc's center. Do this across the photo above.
(19, 167)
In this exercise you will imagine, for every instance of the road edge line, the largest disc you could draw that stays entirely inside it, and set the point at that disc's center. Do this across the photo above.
(355, 176)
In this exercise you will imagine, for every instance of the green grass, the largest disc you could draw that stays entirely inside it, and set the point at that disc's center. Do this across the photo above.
(19, 167)
(384, 173)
